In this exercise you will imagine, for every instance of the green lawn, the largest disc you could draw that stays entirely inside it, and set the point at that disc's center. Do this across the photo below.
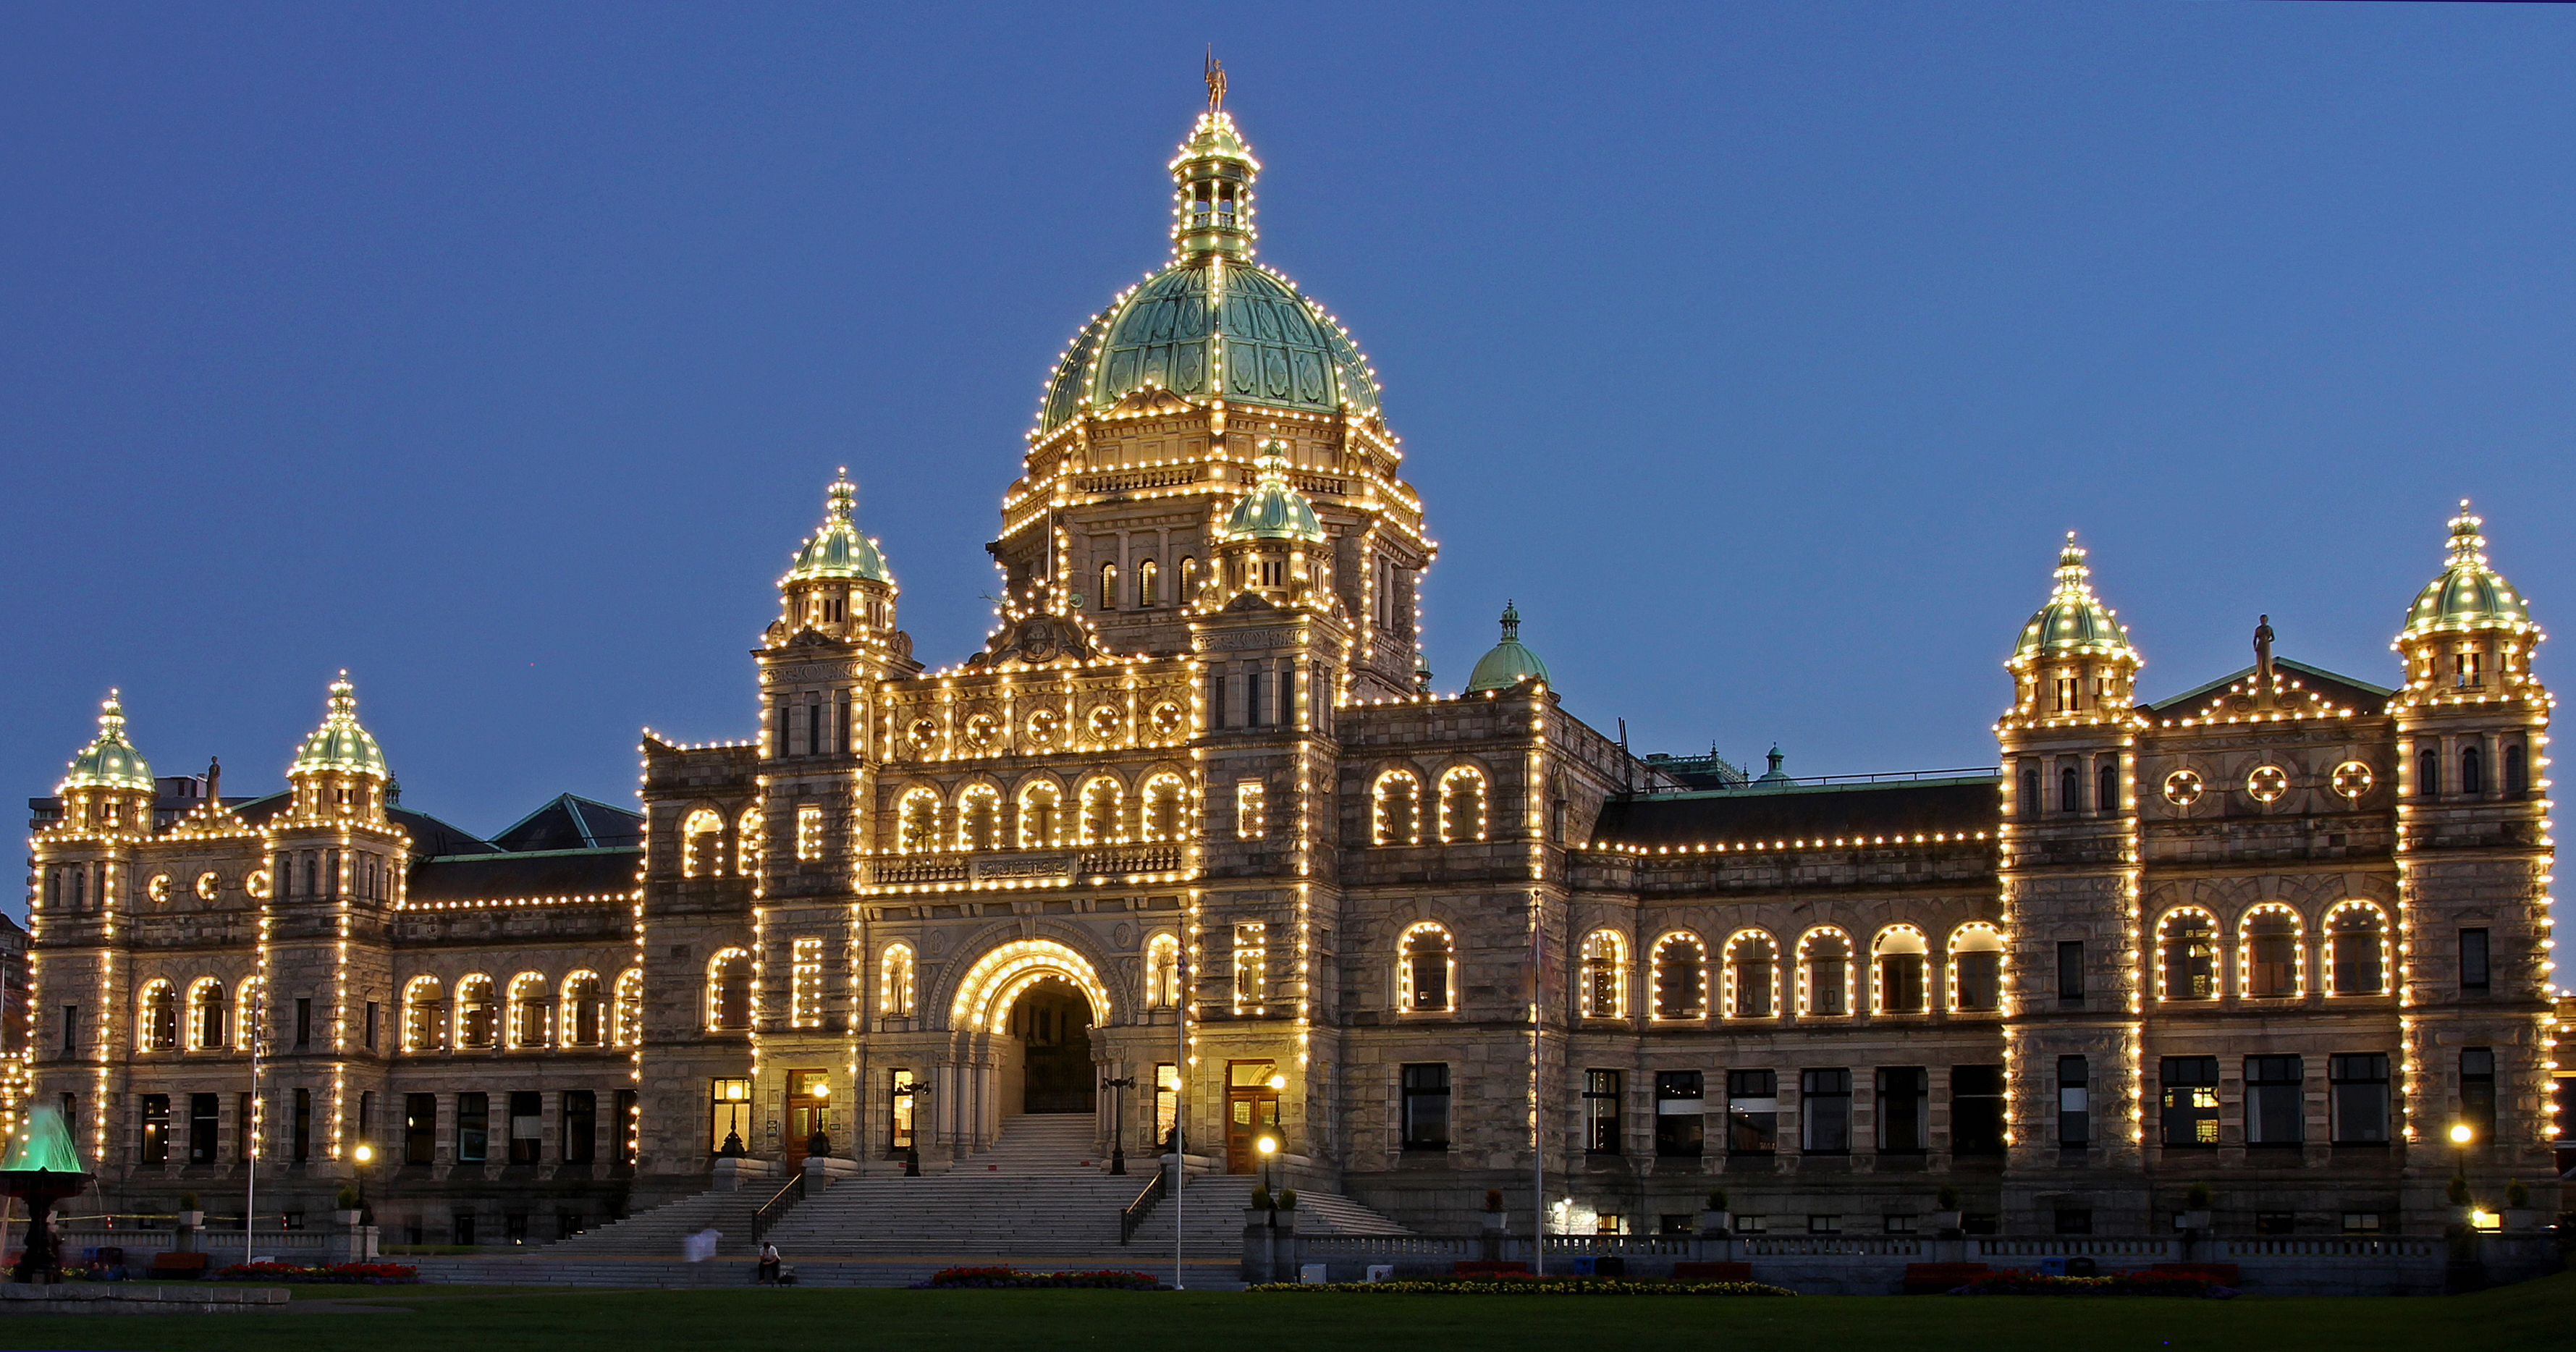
(2533, 1315)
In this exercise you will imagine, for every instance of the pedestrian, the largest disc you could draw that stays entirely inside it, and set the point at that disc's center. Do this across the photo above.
(701, 1246)
(768, 1271)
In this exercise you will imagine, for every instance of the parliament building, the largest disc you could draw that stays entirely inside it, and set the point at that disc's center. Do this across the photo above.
(1193, 842)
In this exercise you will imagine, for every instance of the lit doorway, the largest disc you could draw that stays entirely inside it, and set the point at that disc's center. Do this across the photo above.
(1251, 1112)
(809, 1110)
(1052, 1020)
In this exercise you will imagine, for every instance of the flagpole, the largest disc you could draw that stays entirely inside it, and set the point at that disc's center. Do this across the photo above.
(1538, 1095)
(1180, 1100)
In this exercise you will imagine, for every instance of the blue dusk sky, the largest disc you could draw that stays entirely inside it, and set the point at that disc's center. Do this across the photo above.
(500, 353)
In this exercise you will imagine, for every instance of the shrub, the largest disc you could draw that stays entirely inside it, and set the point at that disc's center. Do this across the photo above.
(365, 1274)
(1261, 1199)
(346, 1199)
(2516, 1195)
(1947, 1199)
(188, 1201)
(1287, 1199)
(1493, 1199)
(1517, 1284)
(2023, 1283)
(2198, 1198)
(1717, 1199)
(2459, 1191)
(1009, 1279)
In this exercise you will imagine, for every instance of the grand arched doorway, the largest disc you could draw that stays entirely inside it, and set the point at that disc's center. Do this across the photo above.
(1052, 1021)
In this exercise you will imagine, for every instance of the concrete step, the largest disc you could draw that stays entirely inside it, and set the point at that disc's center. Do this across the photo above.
(660, 1231)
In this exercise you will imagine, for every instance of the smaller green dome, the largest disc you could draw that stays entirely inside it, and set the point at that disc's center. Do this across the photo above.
(1273, 510)
(340, 744)
(1508, 664)
(2074, 623)
(2469, 594)
(838, 550)
(110, 762)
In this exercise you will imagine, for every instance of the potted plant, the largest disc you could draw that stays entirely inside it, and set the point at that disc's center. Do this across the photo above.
(1945, 1210)
(345, 1206)
(191, 1217)
(2195, 1207)
(1494, 1218)
(1714, 1218)
(2519, 1214)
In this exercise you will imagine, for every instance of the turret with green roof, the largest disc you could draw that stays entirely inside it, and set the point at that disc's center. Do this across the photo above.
(1507, 663)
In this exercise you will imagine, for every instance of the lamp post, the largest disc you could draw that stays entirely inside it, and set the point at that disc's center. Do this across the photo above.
(363, 1155)
(1268, 1145)
(1118, 1123)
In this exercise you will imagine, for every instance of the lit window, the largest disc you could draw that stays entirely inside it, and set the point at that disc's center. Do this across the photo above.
(531, 1014)
(805, 989)
(2189, 956)
(1976, 967)
(1100, 803)
(1251, 821)
(917, 822)
(1824, 973)
(475, 1023)
(1605, 975)
(1396, 810)
(2269, 958)
(1680, 975)
(628, 1028)
(750, 832)
(729, 989)
(979, 815)
(1462, 805)
(809, 833)
(1251, 962)
(1425, 968)
(2356, 949)
(585, 1007)
(701, 837)
(1752, 975)
(1162, 811)
(1040, 807)
(1899, 959)
(895, 981)
(1163, 971)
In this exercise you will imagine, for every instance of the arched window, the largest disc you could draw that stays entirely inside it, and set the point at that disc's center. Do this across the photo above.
(2106, 785)
(917, 821)
(702, 844)
(1162, 808)
(1898, 961)
(206, 1021)
(2428, 773)
(750, 842)
(1976, 967)
(1681, 976)
(979, 817)
(422, 1027)
(1149, 584)
(2188, 956)
(531, 1022)
(1100, 802)
(1462, 805)
(1108, 586)
(252, 998)
(2517, 771)
(1163, 971)
(2070, 790)
(2473, 771)
(2268, 959)
(1189, 580)
(160, 1017)
(895, 980)
(1824, 972)
(476, 1022)
(2356, 949)
(1605, 975)
(1752, 975)
(1395, 811)
(1041, 808)
(628, 1025)
(1427, 959)
(729, 989)
(584, 1016)
(2029, 805)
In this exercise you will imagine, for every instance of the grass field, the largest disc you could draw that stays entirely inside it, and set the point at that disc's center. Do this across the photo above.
(2533, 1315)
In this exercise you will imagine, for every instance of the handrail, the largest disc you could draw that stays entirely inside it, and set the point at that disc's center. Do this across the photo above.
(1131, 1218)
(777, 1206)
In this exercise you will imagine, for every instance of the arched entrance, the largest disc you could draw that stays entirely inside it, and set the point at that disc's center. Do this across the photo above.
(1052, 1020)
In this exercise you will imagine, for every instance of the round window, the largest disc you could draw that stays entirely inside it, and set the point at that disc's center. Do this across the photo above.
(1105, 719)
(2183, 788)
(980, 729)
(1167, 719)
(1041, 727)
(159, 887)
(2268, 783)
(925, 733)
(207, 885)
(2352, 779)
(257, 884)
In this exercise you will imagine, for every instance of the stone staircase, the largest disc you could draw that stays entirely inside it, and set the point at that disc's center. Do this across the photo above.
(658, 1232)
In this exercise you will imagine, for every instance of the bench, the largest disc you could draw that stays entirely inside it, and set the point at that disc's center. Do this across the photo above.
(1686, 1271)
(185, 1267)
(1931, 1279)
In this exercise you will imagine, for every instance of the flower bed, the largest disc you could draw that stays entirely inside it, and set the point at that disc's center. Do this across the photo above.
(363, 1274)
(1517, 1284)
(1008, 1279)
(2019, 1283)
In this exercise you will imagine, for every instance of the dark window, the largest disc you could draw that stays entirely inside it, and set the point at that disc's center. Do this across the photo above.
(2478, 1092)
(2190, 1107)
(1900, 983)
(366, 1120)
(2074, 1220)
(461, 1229)
(580, 1126)
(2070, 790)
(1680, 1114)
(2428, 773)
(841, 722)
(2276, 1110)
(303, 1023)
(420, 1128)
(2106, 785)
(71, 1030)
(527, 1126)
(1216, 699)
(2473, 961)
(473, 1127)
(2070, 971)
(1976, 1110)
(1601, 1112)
(624, 1126)
(1752, 1112)
(204, 1127)
(2517, 772)
(371, 1025)
(2074, 1102)
(1824, 1112)
(814, 725)
(156, 1128)
(2272, 951)
(1904, 1110)
(303, 1124)
(2030, 804)
(2276, 1222)
(1256, 703)
(2358, 1088)
(2355, 939)
(1426, 1107)
(1978, 978)
(2473, 771)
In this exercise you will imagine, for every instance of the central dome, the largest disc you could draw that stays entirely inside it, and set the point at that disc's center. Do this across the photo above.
(1214, 324)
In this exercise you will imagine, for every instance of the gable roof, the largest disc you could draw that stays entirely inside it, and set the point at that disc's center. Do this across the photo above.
(429, 835)
(572, 822)
(523, 875)
(1966, 804)
(2360, 694)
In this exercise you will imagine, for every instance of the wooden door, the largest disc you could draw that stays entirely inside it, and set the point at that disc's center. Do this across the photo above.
(1251, 1111)
(809, 1110)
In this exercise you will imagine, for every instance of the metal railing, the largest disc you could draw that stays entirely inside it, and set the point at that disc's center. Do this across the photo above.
(1808, 781)
(777, 1206)
(1131, 1217)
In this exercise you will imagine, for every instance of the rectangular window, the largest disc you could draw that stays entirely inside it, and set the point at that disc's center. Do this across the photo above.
(1250, 821)
(2473, 961)
(1216, 700)
(1426, 1107)
(1824, 1112)
(809, 833)
(2074, 1102)
(2478, 1091)
(359, 1129)
(2362, 1222)
(71, 1030)
(303, 1024)
(71, 1116)
(2074, 1220)
(1978, 979)
(899, 1101)
(156, 1128)
(1904, 1110)
(1824, 1225)
(1752, 1112)
(1976, 1110)
(625, 1125)
(1899, 1225)
(205, 1127)
(371, 1025)
(2190, 1085)
(1251, 959)
(2070, 971)
(1601, 1112)
(473, 1127)
(527, 1126)
(580, 1126)
(805, 983)
(1680, 1114)
(1256, 697)
(2357, 1087)
(420, 1128)
(303, 1125)
(1167, 1100)
(2275, 1101)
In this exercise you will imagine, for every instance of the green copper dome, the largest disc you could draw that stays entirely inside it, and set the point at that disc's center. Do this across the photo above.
(340, 744)
(1508, 664)
(838, 550)
(1213, 324)
(1273, 510)
(110, 762)
(2468, 594)
(2074, 623)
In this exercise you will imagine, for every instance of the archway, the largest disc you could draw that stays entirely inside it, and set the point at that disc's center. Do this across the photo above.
(1052, 1021)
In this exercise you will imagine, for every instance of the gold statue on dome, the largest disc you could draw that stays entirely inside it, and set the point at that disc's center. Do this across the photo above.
(1215, 81)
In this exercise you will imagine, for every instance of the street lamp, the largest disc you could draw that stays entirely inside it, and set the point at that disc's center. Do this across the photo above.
(363, 1154)
(1268, 1146)
(1118, 1127)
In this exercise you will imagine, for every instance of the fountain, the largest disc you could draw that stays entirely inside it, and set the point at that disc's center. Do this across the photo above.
(42, 1166)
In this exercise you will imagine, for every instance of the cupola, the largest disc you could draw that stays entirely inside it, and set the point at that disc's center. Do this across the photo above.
(2469, 633)
(1272, 543)
(839, 585)
(2074, 660)
(109, 787)
(1507, 663)
(339, 771)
